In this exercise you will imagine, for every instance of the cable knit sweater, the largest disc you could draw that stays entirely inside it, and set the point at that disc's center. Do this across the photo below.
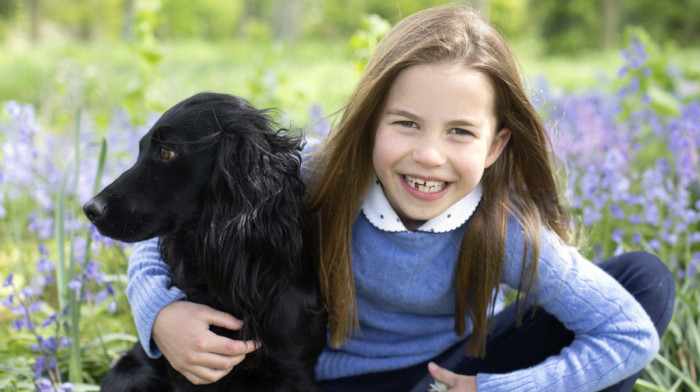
(405, 295)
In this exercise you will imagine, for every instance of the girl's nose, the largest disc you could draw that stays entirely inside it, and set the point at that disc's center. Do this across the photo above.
(429, 151)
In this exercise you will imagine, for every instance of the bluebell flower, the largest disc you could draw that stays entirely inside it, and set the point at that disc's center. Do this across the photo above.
(75, 285)
(591, 215)
(44, 385)
(100, 297)
(67, 387)
(8, 280)
(8, 302)
(636, 238)
(617, 212)
(655, 244)
(49, 320)
(45, 265)
(617, 235)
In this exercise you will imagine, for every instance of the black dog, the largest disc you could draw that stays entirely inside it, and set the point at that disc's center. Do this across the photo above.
(222, 190)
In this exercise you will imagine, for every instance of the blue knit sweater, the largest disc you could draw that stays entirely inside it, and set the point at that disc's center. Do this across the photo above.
(405, 296)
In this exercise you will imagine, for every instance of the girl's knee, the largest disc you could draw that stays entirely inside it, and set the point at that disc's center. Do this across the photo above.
(649, 280)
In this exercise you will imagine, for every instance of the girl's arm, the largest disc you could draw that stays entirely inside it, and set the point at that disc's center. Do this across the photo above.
(614, 337)
(149, 290)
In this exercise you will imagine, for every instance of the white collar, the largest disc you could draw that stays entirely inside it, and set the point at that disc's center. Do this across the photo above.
(379, 212)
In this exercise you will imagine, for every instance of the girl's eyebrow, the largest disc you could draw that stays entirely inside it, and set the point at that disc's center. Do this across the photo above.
(400, 112)
(460, 122)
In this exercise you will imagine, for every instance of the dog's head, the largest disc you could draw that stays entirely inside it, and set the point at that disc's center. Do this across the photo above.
(208, 147)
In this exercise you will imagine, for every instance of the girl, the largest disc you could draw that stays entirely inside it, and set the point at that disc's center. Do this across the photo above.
(436, 188)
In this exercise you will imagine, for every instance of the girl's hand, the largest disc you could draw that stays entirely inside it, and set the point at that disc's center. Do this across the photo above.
(455, 382)
(181, 332)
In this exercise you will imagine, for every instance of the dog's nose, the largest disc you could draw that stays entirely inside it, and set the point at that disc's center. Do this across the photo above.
(94, 208)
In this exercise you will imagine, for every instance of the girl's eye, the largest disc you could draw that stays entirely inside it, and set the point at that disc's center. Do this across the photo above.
(408, 124)
(166, 154)
(460, 131)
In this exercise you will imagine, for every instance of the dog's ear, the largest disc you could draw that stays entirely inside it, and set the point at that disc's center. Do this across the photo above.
(253, 211)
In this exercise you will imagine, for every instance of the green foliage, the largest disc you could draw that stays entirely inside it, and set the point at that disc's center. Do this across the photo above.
(86, 19)
(645, 77)
(677, 364)
(511, 17)
(365, 40)
(568, 27)
(208, 19)
(138, 101)
(666, 21)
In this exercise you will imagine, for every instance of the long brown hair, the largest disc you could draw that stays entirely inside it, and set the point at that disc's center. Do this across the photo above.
(520, 183)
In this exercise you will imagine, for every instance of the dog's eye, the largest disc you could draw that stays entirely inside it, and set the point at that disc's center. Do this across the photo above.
(166, 154)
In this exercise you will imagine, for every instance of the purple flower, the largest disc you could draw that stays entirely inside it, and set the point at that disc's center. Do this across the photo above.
(635, 219)
(655, 244)
(75, 285)
(8, 302)
(591, 215)
(49, 320)
(617, 235)
(8, 280)
(45, 265)
(43, 384)
(617, 212)
(67, 386)
(636, 238)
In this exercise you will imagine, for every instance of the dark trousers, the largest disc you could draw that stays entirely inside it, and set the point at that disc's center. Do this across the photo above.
(540, 336)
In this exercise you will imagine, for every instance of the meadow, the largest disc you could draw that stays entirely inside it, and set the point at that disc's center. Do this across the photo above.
(625, 127)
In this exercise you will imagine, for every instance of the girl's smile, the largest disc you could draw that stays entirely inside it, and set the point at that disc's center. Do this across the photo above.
(435, 137)
(425, 189)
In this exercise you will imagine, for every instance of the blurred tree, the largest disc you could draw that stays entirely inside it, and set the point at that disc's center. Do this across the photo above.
(85, 19)
(611, 14)
(8, 8)
(128, 20)
(563, 26)
(511, 17)
(676, 20)
(340, 18)
(252, 10)
(567, 27)
(209, 19)
(287, 19)
(34, 7)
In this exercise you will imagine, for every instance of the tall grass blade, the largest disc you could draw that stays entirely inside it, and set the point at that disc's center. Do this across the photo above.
(75, 364)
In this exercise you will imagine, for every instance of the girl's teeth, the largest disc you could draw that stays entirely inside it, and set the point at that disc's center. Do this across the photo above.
(425, 186)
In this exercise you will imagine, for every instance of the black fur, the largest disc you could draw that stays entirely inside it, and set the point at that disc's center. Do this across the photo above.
(229, 211)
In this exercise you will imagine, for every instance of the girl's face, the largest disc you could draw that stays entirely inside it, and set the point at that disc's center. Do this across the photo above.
(436, 135)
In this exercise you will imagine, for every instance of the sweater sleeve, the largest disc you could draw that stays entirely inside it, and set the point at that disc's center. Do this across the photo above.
(149, 290)
(614, 337)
